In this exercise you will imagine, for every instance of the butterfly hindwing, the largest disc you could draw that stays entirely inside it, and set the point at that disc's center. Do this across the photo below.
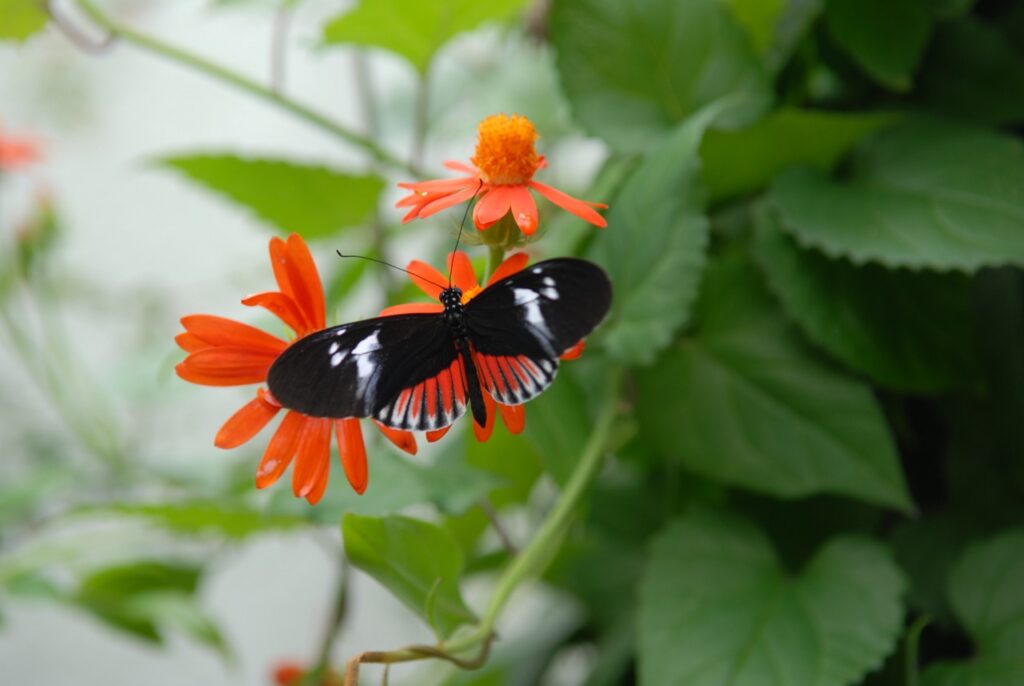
(519, 326)
(362, 368)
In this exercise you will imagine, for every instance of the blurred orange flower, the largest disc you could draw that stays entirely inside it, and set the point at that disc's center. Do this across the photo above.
(16, 153)
(501, 175)
(223, 352)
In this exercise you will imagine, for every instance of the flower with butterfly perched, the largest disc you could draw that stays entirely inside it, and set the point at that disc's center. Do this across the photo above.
(223, 352)
(427, 279)
(501, 177)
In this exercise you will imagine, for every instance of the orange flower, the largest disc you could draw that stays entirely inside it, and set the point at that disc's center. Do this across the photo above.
(17, 152)
(222, 352)
(501, 176)
(427, 279)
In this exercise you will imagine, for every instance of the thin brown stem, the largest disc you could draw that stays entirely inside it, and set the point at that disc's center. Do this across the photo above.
(492, 515)
(335, 622)
(414, 652)
(279, 47)
(421, 119)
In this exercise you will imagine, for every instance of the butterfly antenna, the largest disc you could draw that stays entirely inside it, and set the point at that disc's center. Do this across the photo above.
(462, 225)
(388, 264)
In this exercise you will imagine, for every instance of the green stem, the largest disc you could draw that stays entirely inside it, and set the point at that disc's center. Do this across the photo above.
(913, 642)
(527, 564)
(216, 71)
(538, 553)
(496, 255)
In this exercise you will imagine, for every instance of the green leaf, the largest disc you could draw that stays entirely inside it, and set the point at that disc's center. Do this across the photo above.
(419, 562)
(140, 598)
(415, 29)
(311, 200)
(20, 19)
(397, 482)
(974, 71)
(633, 72)
(559, 426)
(738, 162)
(885, 37)
(928, 194)
(746, 402)
(908, 331)
(654, 245)
(718, 609)
(197, 517)
(759, 18)
(988, 598)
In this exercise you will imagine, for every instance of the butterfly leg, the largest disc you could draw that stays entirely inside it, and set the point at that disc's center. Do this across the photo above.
(475, 392)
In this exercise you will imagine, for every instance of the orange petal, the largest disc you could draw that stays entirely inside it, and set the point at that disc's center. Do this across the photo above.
(483, 433)
(225, 366)
(510, 266)
(463, 275)
(439, 185)
(575, 351)
(433, 436)
(403, 439)
(218, 331)
(352, 451)
(492, 206)
(280, 450)
(524, 209)
(190, 342)
(412, 308)
(444, 202)
(428, 279)
(514, 417)
(583, 210)
(323, 472)
(455, 165)
(281, 306)
(308, 292)
(311, 455)
(246, 423)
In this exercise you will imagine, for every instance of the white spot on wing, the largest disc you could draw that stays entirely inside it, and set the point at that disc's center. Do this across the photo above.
(367, 345)
(535, 318)
(336, 359)
(524, 295)
(365, 366)
(334, 348)
(548, 281)
(550, 293)
(340, 332)
(536, 270)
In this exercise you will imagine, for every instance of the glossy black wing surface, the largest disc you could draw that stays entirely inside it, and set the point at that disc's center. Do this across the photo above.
(366, 368)
(519, 326)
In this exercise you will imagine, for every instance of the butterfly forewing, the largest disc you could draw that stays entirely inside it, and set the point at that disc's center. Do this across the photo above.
(359, 369)
(520, 325)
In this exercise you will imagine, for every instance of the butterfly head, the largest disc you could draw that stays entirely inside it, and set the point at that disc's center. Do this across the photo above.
(451, 298)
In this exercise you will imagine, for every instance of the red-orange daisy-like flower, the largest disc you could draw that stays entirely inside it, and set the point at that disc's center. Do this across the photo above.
(427, 279)
(17, 152)
(223, 352)
(501, 175)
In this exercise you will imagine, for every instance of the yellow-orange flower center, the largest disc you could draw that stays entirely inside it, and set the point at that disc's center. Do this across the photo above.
(504, 149)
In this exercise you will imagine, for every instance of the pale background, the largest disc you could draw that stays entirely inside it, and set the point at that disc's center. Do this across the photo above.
(157, 247)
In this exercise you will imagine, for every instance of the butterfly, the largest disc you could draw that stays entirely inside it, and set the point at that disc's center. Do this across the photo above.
(421, 371)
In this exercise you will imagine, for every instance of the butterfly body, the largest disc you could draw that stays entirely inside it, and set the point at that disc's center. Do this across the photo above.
(421, 371)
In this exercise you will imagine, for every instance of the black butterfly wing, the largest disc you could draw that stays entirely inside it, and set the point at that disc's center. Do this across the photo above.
(521, 325)
(402, 370)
